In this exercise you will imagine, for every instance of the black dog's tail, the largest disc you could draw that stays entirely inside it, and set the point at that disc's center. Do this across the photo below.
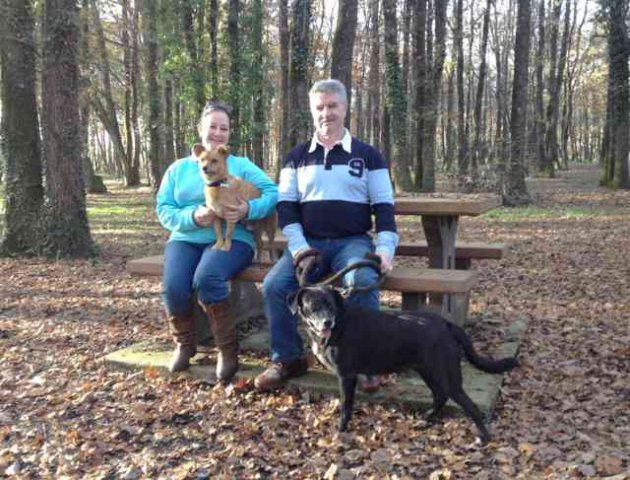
(482, 363)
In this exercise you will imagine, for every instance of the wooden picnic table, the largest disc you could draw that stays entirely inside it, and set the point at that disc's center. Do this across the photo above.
(440, 217)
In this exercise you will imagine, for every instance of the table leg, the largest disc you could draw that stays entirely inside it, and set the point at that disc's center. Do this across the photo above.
(441, 232)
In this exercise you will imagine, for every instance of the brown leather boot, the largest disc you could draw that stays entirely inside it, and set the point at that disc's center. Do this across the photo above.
(185, 337)
(225, 338)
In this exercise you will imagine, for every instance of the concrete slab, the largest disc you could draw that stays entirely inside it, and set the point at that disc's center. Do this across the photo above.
(407, 389)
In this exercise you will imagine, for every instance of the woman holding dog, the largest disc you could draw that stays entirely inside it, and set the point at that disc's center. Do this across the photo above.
(329, 188)
(190, 264)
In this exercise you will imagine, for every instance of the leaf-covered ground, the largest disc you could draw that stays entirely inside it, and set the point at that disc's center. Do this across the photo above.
(565, 413)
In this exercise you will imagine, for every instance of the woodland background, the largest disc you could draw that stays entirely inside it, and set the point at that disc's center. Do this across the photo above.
(487, 92)
(529, 100)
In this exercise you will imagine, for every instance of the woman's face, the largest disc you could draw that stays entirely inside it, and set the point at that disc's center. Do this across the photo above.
(215, 129)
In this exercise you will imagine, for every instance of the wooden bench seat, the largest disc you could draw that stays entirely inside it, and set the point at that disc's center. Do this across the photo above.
(401, 279)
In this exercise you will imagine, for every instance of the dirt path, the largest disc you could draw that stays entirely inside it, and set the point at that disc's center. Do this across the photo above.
(563, 414)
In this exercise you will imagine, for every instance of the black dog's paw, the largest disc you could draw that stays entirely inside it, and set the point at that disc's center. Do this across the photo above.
(431, 417)
(343, 424)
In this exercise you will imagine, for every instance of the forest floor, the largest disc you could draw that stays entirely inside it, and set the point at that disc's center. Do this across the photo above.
(564, 413)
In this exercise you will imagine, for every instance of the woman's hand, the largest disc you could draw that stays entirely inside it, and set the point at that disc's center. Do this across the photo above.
(204, 217)
(237, 212)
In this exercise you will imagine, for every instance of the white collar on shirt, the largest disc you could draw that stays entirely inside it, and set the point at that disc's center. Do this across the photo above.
(346, 142)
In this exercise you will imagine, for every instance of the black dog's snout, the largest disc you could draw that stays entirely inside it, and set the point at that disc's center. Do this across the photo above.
(327, 324)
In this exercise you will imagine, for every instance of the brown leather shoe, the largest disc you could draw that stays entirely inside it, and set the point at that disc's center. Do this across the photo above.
(279, 372)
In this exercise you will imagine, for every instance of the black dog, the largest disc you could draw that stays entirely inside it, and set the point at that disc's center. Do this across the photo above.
(355, 340)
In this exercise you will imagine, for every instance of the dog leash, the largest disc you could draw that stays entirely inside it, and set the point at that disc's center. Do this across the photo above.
(371, 260)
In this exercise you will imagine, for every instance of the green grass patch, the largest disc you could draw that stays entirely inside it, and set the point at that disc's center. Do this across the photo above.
(537, 213)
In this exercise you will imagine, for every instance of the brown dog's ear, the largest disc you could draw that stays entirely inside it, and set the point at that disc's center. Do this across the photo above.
(223, 150)
(198, 149)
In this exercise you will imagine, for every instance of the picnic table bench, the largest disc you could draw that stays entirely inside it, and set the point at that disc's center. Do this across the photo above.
(445, 286)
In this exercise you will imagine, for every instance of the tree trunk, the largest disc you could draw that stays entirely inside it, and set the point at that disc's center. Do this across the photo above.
(235, 69)
(421, 84)
(619, 96)
(94, 183)
(551, 136)
(462, 158)
(258, 126)
(343, 45)
(476, 151)
(190, 36)
(156, 160)
(299, 115)
(514, 186)
(373, 104)
(396, 101)
(169, 139)
(66, 233)
(537, 146)
(103, 100)
(213, 22)
(283, 27)
(20, 129)
(433, 95)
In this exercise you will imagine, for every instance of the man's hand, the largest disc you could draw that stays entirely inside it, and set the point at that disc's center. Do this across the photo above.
(387, 262)
(237, 212)
(204, 217)
(306, 261)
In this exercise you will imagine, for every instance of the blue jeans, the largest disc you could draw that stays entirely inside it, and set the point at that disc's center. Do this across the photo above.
(286, 342)
(194, 266)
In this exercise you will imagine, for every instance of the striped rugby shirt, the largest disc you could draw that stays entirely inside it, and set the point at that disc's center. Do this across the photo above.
(334, 194)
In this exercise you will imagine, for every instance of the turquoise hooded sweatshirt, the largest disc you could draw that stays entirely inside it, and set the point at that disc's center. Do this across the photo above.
(182, 191)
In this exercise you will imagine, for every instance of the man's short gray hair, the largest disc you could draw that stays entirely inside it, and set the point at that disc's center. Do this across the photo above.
(330, 86)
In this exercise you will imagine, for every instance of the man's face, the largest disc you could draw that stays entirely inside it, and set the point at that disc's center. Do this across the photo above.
(329, 113)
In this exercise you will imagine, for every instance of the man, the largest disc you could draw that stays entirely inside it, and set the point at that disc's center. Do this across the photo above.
(329, 188)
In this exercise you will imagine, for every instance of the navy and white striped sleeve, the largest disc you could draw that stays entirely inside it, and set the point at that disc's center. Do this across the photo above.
(289, 218)
(381, 196)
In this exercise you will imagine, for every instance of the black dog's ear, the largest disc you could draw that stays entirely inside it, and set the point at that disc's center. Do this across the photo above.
(294, 300)
(338, 300)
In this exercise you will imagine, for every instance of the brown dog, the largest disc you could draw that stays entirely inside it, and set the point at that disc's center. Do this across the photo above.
(225, 189)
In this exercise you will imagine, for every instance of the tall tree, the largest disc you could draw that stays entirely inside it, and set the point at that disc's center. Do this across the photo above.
(156, 153)
(462, 157)
(20, 128)
(421, 84)
(396, 100)
(283, 28)
(618, 110)
(514, 186)
(257, 78)
(66, 232)
(343, 45)
(94, 183)
(213, 22)
(536, 145)
(103, 100)
(432, 95)
(299, 116)
(476, 150)
(374, 93)
(234, 41)
(190, 39)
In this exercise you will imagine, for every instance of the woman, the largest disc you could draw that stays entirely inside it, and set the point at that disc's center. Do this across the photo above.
(189, 265)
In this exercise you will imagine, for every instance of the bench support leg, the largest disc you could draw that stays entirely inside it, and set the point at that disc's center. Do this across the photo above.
(456, 313)
(245, 303)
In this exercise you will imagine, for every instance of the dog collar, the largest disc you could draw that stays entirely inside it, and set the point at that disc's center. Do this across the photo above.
(216, 183)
